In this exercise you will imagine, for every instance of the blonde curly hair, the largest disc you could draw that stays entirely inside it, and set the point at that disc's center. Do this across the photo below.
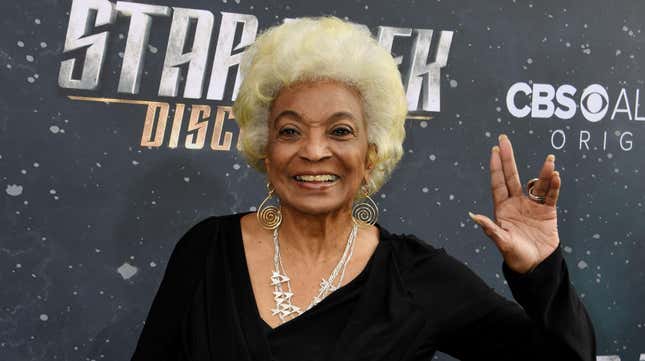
(318, 48)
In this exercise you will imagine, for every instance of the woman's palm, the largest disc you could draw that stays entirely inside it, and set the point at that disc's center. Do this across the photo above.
(525, 231)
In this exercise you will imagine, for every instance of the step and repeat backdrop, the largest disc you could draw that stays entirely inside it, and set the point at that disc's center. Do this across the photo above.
(116, 136)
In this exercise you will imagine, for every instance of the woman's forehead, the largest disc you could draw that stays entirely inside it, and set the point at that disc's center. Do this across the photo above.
(322, 120)
(316, 101)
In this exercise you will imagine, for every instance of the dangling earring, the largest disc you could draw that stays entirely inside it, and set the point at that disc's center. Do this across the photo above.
(269, 216)
(365, 213)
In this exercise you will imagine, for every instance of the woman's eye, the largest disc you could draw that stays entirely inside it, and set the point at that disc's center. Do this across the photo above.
(288, 132)
(342, 131)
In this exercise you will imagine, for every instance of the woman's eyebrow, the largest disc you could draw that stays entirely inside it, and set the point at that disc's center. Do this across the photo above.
(293, 114)
(343, 115)
(286, 113)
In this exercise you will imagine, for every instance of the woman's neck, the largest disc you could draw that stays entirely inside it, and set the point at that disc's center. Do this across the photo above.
(314, 238)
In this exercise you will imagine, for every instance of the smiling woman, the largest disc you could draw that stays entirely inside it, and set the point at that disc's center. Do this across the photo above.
(317, 130)
(317, 157)
(285, 56)
(321, 112)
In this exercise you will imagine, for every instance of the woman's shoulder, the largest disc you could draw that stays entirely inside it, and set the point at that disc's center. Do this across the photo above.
(205, 225)
(200, 236)
(409, 250)
(429, 270)
(211, 222)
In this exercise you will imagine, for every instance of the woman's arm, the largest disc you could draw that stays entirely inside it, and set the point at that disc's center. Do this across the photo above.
(550, 324)
(160, 339)
(525, 231)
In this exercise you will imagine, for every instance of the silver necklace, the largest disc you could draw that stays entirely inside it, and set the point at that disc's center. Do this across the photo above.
(283, 306)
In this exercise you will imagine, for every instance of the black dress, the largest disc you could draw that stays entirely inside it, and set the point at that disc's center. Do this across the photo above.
(408, 302)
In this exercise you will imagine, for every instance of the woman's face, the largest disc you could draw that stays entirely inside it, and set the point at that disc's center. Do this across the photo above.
(317, 148)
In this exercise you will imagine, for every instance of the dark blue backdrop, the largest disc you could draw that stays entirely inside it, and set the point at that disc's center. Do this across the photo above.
(90, 216)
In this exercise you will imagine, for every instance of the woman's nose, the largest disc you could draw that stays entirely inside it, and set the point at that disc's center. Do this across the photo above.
(315, 148)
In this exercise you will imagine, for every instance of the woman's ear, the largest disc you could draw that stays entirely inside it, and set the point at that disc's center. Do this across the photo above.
(372, 155)
(266, 164)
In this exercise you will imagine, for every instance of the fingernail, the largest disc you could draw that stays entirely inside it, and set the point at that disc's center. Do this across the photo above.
(472, 216)
(495, 148)
(501, 136)
(551, 157)
(556, 173)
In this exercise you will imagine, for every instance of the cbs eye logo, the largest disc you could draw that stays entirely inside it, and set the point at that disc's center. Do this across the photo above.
(545, 101)
(594, 103)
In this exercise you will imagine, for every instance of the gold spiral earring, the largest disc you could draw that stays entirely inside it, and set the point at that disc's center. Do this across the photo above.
(269, 216)
(366, 212)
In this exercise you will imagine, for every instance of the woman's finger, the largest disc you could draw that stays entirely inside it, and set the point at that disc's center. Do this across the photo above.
(497, 182)
(509, 167)
(493, 231)
(554, 189)
(542, 185)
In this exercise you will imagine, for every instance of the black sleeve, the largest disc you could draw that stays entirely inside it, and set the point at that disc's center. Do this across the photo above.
(160, 338)
(550, 324)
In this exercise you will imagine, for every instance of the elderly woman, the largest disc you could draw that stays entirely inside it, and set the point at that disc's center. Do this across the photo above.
(321, 112)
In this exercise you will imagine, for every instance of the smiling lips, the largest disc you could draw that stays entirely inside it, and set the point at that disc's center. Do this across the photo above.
(316, 181)
(316, 177)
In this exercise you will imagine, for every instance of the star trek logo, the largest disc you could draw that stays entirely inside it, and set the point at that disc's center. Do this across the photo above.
(189, 54)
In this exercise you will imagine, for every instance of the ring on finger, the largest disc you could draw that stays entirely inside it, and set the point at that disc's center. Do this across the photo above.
(529, 189)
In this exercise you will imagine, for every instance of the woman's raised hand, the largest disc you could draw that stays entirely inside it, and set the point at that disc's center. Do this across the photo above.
(525, 231)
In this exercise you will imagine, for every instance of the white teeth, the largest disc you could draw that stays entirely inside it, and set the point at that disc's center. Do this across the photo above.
(317, 178)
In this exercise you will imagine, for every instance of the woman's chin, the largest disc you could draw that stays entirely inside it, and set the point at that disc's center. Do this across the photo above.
(316, 207)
